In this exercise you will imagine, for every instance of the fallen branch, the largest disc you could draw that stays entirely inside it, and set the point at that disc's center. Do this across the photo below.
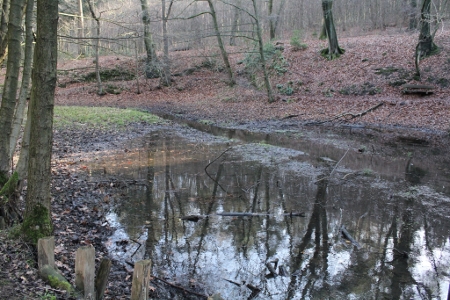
(181, 288)
(211, 164)
(346, 114)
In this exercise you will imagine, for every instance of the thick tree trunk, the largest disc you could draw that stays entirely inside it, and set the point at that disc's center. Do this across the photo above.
(37, 220)
(151, 61)
(333, 51)
(426, 45)
(226, 61)
(26, 77)
(11, 83)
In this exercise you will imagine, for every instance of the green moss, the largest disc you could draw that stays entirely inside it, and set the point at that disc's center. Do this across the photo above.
(37, 224)
(10, 186)
(59, 283)
(3, 178)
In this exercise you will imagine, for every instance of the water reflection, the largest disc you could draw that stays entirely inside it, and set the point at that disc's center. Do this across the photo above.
(402, 227)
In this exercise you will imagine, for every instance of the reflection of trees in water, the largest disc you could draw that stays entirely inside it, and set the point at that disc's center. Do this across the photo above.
(318, 265)
(184, 248)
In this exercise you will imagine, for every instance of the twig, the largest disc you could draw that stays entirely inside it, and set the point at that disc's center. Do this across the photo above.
(342, 115)
(181, 288)
(211, 164)
(337, 164)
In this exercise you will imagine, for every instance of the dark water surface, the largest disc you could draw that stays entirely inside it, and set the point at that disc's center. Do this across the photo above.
(395, 209)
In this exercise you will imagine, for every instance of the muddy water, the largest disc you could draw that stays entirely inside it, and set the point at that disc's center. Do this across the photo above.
(395, 212)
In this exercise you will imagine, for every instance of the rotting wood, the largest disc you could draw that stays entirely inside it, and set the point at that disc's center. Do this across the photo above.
(349, 237)
(141, 280)
(46, 252)
(55, 279)
(101, 278)
(417, 89)
(85, 271)
(347, 114)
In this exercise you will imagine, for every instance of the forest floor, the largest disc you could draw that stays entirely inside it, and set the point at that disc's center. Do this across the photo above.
(309, 90)
(308, 87)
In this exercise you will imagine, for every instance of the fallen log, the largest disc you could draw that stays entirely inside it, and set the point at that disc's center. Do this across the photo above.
(348, 237)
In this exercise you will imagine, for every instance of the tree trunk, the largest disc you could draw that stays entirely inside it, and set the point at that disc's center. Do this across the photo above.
(261, 53)
(26, 77)
(412, 15)
(4, 30)
(271, 21)
(426, 45)
(226, 61)
(37, 219)
(96, 46)
(11, 83)
(81, 47)
(234, 26)
(151, 62)
(333, 51)
(166, 77)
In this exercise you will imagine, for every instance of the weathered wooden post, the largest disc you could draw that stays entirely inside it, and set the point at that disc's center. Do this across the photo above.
(141, 280)
(85, 271)
(101, 280)
(46, 265)
(46, 252)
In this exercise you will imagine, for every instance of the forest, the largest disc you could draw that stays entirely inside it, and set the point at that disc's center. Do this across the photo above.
(85, 81)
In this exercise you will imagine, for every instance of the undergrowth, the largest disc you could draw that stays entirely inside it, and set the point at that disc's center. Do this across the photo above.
(68, 116)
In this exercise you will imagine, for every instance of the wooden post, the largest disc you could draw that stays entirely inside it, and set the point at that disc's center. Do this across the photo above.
(102, 277)
(141, 280)
(46, 252)
(85, 271)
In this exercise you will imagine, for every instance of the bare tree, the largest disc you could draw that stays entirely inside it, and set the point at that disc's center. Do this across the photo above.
(166, 76)
(96, 46)
(224, 53)
(426, 45)
(333, 51)
(151, 61)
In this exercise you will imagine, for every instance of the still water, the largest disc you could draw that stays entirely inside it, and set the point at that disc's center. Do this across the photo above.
(296, 199)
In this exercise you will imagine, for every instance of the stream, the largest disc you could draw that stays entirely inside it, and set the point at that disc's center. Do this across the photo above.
(267, 212)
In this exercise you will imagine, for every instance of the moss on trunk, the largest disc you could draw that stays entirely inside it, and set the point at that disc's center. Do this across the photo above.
(37, 224)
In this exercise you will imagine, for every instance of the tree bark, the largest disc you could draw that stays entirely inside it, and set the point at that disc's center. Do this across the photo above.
(333, 51)
(11, 83)
(37, 219)
(226, 61)
(4, 30)
(151, 62)
(166, 77)
(261, 53)
(96, 46)
(426, 45)
(26, 77)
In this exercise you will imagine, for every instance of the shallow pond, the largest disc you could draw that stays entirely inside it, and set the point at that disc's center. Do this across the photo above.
(278, 216)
